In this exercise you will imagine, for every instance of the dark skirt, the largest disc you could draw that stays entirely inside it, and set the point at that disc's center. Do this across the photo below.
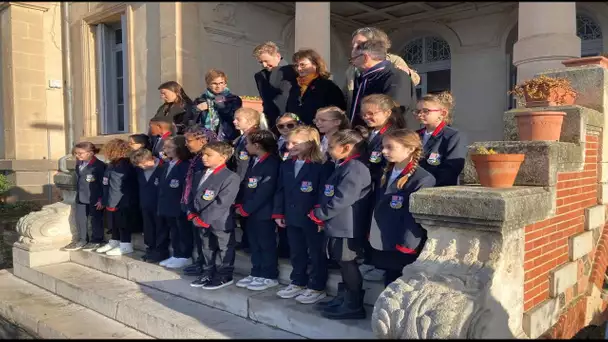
(344, 249)
(391, 260)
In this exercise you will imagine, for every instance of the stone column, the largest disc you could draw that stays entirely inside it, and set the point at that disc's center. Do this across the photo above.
(312, 28)
(547, 36)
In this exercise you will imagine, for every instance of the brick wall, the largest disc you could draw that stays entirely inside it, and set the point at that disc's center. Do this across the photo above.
(547, 246)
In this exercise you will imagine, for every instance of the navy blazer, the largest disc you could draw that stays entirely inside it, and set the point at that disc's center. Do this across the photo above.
(393, 227)
(240, 160)
(297, 195)
(444, 154)
(120, 185)
(257, 189)
(343, 204)
(283, 153)
(225, 110)
(90, 181)
(212, 201)
(321, 92)
(148, 189)
(376, 161)
(158, 143)
(171, 188)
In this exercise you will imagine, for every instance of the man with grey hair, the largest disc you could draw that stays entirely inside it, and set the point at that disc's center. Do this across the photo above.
(377, 75)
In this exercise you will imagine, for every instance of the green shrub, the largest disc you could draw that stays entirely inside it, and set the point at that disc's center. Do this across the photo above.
(5, 184)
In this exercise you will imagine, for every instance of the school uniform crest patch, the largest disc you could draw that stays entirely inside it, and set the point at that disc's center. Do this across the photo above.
(434, 159)
(375, 157)
(243, 155)
(174, 184)
(90, 178)
(252, 183)
(209, 195)
(306, 186)
(105, 181)
(329, 190)
(396, 202)
(156, 181)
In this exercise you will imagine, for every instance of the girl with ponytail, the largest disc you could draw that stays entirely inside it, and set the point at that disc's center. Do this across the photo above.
(396, 238)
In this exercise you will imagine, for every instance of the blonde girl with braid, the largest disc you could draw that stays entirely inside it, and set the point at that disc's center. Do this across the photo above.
(329, 120)
(395, 236)
(444, 147)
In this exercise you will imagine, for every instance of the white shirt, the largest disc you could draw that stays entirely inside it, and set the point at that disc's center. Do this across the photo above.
(372, 134)
(281, 142)
(205, 176)
(298, 166)
(148, 172)
(171, 165)
(82, 165)
(394, 175)
(426, 137)
(324, 144)
(256, 160)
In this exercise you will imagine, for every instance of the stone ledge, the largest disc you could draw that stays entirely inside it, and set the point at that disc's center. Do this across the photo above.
(544, 159)
(541, 318)
(595, 217)
(574, 128)
(562, 278)
(17, 165)
(476, 206)
(580, 245)
(586, 80)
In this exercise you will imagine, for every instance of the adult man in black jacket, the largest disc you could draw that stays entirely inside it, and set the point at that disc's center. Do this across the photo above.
(275, 81)
(378, 76)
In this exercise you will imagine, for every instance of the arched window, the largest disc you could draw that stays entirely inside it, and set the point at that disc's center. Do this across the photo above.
(590, 34)
(430, 56)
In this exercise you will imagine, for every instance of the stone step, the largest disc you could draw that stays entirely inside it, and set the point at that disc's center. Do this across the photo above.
(48, 316)
(264, 307)
(153, 312)
(242, 266)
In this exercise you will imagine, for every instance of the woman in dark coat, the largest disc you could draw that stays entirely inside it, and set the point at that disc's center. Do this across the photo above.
(316, 89)
(176, 104)
(215, 108)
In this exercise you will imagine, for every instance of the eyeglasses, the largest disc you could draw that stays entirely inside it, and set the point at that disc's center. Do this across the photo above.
(286, 126)
(424, 111)
(217, 84)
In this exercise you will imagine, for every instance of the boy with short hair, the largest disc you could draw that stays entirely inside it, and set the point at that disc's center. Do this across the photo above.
(161, 128)
(149, 170)
(214, 190)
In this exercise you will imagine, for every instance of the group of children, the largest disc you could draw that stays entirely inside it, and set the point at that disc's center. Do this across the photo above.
(341, 198)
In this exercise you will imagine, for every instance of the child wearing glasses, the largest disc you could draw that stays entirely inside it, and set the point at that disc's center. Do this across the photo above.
(285, 124)
(445, 148)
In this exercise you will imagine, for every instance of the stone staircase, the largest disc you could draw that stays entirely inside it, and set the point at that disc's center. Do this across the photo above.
(156, 302)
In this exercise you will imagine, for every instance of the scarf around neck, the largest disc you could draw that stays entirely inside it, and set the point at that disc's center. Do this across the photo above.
(212, 119)
(304, 82)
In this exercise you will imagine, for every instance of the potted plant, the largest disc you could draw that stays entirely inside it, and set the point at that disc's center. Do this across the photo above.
(496, 170)
(545, 91)
(601, 60)
(535, 126)
(254, 102)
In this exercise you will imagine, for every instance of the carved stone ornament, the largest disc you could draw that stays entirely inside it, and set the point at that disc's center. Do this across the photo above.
(55, 223)
(225, 13)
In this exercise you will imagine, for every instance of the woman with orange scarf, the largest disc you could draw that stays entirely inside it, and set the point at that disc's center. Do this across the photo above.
(316, 89)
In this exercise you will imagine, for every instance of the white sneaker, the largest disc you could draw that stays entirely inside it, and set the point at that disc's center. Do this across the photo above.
(374, 275)
(178, 263)
(363, 268)
(124, 248)
(290, 291)
(111, 244)
(260, 284)
(166, 261)
(243, 283)
(310, 296)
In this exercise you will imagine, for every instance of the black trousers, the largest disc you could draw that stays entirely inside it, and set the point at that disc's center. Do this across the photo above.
(218, 244)
(87, 214)
(136, 220)
(263, 245)
(119, 224)
(198, 244)
(283, 248)
(151, 227)
(181, 235)
(305, 243)
(392, 262)
(345, 252)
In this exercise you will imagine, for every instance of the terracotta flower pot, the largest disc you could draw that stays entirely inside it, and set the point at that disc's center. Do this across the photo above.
(534, 126)
(556, 96)
(255, 104)
(578, 62)
(497, 170)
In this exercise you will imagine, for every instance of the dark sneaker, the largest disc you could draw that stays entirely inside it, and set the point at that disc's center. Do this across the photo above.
(91, 246)
(74, 246)
(217, 283)
(201, 281)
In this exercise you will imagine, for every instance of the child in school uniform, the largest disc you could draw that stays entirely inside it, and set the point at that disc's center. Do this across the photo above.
(149, 169)
(396, 238)
(285, 124)
(89, 207)
(161, 128)
(196, 139)
(171, 217)
(254, 205)
(245, 120)
(119, 189)
(381, 114)
(445, 148)
(137, 141)
(329, 120)
(342, 213)
(213, 194)
(300, 181)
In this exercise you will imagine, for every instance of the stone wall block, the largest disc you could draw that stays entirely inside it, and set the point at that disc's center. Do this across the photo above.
(562, 278)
